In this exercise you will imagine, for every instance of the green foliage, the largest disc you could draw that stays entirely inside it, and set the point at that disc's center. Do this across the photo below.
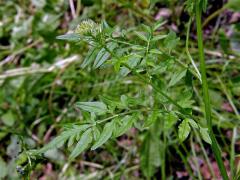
(205, 135)
(104, 136)
(93, 107)
(171, 41)
(183, 130)
(177, 77)
(233, 4)
(170, 121)
(191, 4)
(3, 168)
(150, 154)
(70, 37)
(74, 132)
(119, 52)
(123, 125)
(82, 144)
(100, 92)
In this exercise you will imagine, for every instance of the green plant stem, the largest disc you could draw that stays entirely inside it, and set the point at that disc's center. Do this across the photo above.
(215, 146)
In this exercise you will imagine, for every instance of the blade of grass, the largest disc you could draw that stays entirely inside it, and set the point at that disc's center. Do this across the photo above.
(215, 146)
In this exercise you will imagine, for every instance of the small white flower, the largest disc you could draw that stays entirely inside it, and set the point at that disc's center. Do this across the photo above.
(88, 26)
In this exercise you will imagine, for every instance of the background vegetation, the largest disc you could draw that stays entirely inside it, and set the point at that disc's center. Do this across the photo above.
(43, 87)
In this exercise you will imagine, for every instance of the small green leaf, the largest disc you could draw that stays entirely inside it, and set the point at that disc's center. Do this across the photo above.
(22, 158)
(158, 24)
(8, 118)
(105, 135)
(125, 124)
(156, 51)
(138, 48)
(204, 4)
(103, 55)
(233, 4)
(3, 168)
(141, 36)
(70, 37)
(71, 141)
(151, 119)
(205, 135)
(170, 121)
(82, 144)
(193, 123)
(91, 56)
(56, 142)
(177, 77)
(190, 6)
(96, 133)
(158, 37)
(147, 28)
(185, 100)
(111, 102)
(150, 154)
(171, 40)
(95, 107)
(183, 130)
